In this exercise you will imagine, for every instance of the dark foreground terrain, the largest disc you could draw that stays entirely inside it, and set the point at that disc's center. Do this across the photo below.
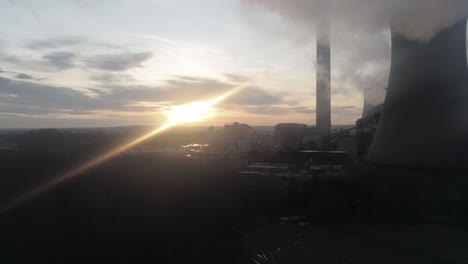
(156, 208)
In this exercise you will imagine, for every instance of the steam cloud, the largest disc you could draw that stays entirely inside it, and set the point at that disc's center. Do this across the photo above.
(361, 47)
(416, 19)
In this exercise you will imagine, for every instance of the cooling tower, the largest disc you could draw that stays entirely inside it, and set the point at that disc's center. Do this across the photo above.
(425, 117)
(323, 80)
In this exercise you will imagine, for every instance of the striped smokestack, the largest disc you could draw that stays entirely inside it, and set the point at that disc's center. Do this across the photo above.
(323, 80)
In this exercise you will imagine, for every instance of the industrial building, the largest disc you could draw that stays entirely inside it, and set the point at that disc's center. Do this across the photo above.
(289, 135)
(235, 137)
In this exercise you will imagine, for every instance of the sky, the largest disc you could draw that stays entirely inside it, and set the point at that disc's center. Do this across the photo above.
(85, 63)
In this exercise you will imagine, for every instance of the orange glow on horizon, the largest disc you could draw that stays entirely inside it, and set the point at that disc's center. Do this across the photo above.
(13, 203)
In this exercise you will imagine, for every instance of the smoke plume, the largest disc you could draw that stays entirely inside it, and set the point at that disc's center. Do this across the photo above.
(416, 19)
(361, 47)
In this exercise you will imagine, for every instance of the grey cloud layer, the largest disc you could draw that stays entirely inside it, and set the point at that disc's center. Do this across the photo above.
(32, 98)
(61, 60)
(25, 98)
(118, 62)
(18, 75)
(70, 52)
(23, 76)
(67, 60)
(107, 78)
(54, 43)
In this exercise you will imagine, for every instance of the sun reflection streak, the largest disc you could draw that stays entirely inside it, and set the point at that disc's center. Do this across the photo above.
(25, 197)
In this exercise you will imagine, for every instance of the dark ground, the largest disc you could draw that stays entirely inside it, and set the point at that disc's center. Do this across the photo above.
(152, 208)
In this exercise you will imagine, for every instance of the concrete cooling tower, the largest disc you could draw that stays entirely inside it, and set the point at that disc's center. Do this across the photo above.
(425, 117)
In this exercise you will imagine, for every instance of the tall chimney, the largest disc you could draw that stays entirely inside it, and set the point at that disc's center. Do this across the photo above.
(425, 116)
(323, 80)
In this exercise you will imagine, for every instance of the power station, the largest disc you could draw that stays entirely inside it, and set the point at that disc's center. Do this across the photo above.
(424, 122)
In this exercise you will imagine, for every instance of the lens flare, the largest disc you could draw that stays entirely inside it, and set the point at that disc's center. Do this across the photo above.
(185, 113)
(192, 112)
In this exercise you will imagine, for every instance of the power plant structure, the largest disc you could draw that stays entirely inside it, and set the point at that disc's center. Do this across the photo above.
(323, 81)
(424, 122)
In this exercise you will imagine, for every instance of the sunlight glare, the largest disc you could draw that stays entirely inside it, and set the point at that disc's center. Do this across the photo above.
(191, 112)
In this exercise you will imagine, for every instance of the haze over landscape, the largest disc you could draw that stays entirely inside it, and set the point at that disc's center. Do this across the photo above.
(234, 131)
(75, 64)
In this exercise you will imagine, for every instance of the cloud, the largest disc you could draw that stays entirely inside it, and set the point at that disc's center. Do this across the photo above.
(19, 75)
(118, 62)
(61, 60)
(254, 96)
(180, 91)
(276, 110)
(54, 43)
(23, 76)
(107, 78)
(343, 114)
(416, 19)
(188, 78)
(27, 98)
(360, 53)
(361, 62)
(237, 78)
(303, 110)
(34, 98)
(346, 111)
(267, 110)
(10, 58)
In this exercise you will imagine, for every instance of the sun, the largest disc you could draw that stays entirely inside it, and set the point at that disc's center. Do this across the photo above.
(191, 112)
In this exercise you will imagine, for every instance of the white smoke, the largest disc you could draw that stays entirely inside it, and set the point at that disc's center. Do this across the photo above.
(360, 32)
(416, 19)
